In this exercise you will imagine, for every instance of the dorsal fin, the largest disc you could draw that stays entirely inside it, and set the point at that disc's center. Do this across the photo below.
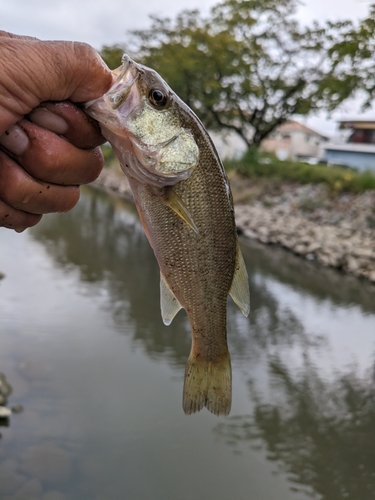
(168, 303)
(239, 290)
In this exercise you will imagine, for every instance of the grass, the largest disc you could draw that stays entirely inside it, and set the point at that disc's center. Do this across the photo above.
(254, 165)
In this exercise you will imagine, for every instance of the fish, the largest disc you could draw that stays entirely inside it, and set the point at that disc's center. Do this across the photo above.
(184, 201)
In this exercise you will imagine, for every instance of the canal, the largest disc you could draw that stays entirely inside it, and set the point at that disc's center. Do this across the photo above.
(100, 377)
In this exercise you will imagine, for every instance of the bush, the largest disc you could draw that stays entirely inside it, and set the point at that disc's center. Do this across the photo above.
(255, 164)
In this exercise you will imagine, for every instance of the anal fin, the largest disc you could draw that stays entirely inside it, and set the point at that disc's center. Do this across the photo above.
(239, 290)
(168, 303)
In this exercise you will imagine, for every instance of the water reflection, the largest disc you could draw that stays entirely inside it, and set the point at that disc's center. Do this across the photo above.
(306, 352)
(320, 434)
(102, 237)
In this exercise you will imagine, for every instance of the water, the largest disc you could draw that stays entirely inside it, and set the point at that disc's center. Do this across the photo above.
(100, 377)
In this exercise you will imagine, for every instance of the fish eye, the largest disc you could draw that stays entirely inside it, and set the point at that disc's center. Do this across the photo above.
(158, 98)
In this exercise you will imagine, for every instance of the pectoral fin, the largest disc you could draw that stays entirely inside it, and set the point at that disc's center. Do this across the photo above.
(173, 201)
(239, 290)
(168, 303)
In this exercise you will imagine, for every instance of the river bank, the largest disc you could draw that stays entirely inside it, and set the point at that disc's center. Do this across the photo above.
(336, 230)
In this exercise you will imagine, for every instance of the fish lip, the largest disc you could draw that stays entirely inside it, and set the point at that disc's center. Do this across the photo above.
(126, 61)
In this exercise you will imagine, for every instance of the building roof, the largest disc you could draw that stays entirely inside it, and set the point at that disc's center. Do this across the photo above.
(294, 126)
(357, 124)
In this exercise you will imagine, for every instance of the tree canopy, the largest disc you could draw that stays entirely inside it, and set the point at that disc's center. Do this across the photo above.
(249, 65)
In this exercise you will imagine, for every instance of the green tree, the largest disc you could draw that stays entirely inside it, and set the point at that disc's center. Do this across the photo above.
(249, 65)
(356, 51)
(112, 55)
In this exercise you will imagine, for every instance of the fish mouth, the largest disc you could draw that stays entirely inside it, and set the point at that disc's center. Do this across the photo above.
(127, 75)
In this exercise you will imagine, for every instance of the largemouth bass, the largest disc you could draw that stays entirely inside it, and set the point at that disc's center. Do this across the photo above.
(184, 201)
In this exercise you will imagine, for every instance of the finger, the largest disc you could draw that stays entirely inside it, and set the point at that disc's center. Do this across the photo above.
(49, 157)
(20, 191)
(67, 119)
(16, 219)
(51, 71)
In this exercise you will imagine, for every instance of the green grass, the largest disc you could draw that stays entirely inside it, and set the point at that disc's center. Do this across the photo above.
(254, 164)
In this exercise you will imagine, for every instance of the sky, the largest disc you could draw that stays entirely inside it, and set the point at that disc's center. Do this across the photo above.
(106, 22)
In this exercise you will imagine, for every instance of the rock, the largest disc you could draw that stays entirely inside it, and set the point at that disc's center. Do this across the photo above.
(249, 233)
(5, 387)
(337, 230)
(313, 247)
(363, 252)
(2, 275)
(17, 409)
(5, 412)
(300, 249)
(352, 264)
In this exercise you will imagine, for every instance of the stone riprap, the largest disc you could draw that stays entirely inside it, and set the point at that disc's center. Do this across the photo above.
(336, 230)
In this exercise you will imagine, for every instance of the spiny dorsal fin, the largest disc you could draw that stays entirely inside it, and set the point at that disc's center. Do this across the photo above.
(168, 303)
(239, 290)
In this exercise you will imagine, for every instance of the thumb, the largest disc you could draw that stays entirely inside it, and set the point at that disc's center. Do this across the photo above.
(34, 71)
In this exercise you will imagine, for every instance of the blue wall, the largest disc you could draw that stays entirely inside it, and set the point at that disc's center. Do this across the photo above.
(361, 161)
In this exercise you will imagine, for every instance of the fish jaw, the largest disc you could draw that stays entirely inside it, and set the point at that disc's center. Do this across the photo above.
(153, 147)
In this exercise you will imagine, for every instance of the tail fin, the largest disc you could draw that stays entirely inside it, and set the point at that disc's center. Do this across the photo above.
(208, 383)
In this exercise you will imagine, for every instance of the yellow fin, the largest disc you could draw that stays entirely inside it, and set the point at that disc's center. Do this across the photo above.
(209, 384)
(168, 303)
(239, 290)
(173, 201)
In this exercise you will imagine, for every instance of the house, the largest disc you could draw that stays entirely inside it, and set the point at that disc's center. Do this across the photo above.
(295, 141)
(356, 147)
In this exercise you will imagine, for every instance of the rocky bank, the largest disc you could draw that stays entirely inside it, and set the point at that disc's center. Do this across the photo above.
(336, 230)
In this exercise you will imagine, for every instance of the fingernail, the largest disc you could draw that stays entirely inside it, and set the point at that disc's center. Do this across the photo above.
(15, 140)
(46, 119)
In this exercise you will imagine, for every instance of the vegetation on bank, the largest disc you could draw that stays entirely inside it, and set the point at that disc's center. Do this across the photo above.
(255, 165)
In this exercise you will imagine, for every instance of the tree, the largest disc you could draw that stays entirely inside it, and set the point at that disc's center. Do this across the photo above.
(356, 51)
(249, 65)
(112, 55)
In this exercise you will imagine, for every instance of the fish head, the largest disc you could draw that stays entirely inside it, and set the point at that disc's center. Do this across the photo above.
(143, 120)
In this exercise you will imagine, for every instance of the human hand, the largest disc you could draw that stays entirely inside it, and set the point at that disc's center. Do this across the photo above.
(47, 149)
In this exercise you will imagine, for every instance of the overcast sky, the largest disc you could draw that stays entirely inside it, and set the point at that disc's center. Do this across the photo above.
(105, 22)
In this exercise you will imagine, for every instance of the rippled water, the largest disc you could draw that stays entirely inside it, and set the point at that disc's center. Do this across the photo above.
(100, 377)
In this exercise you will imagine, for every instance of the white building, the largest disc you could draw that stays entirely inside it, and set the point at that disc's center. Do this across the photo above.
(295, 141)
